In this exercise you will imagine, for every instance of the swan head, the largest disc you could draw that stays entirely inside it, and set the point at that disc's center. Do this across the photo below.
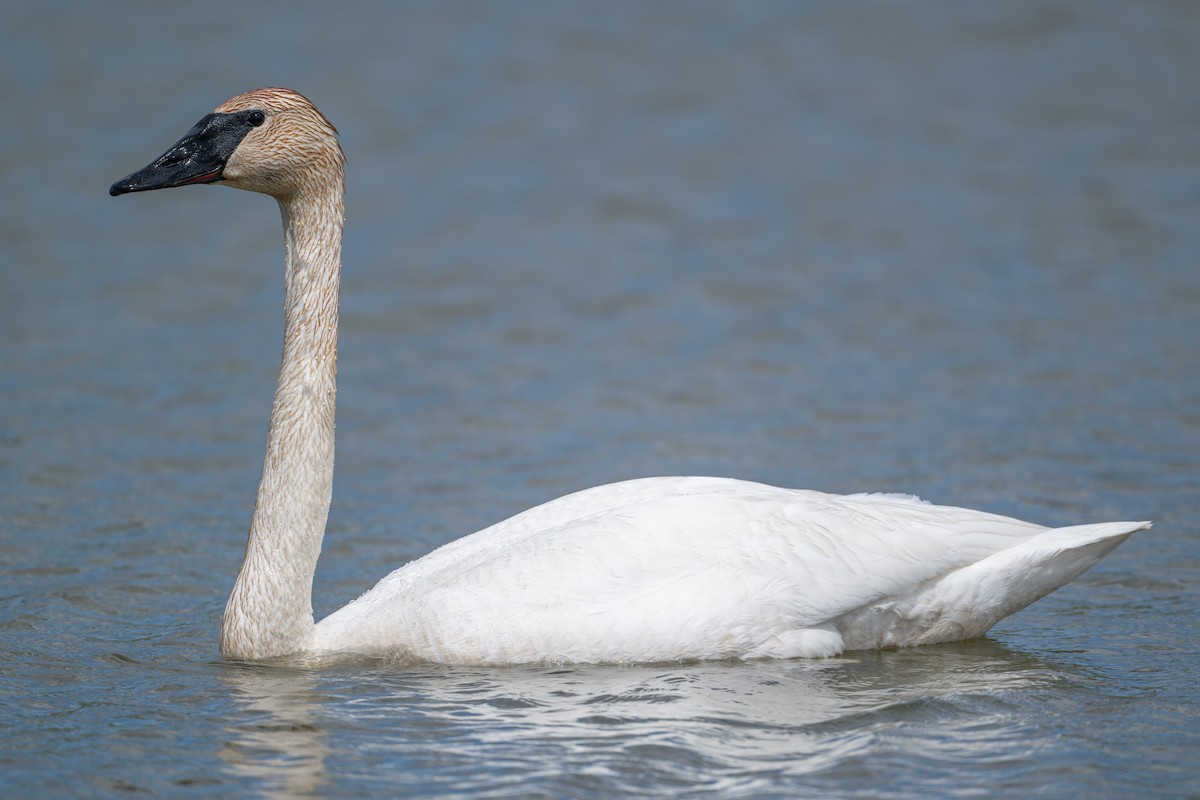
(271, 140)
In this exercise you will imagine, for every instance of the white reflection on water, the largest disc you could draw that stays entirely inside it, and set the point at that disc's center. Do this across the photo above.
(276, 742)
(592, 730)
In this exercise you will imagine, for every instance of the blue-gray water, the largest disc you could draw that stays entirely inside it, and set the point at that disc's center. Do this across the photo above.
(943, 248)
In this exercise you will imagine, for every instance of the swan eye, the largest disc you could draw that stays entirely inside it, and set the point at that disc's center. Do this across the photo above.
(256, 118)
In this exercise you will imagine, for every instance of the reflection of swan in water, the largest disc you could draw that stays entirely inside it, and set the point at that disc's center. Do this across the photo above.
(276, 741)
(648, 570)
(603, 732)
(764, 695)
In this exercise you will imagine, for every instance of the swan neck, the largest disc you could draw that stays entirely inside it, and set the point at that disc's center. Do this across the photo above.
(270, 609)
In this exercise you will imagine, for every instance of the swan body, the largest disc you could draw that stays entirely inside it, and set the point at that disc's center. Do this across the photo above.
(646, 570)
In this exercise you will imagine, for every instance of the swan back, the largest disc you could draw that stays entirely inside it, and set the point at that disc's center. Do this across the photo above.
(669, 568)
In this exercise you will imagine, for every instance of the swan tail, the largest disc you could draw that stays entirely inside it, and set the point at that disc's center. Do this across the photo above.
(967, 602)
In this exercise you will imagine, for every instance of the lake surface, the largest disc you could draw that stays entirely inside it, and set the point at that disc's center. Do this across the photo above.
(945, 249)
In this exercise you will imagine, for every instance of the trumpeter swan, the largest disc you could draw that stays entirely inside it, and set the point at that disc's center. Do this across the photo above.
(647, 570)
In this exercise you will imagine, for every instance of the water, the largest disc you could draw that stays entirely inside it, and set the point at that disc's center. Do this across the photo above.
(945, 249)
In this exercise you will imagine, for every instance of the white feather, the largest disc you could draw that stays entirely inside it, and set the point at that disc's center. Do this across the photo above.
(702, 568)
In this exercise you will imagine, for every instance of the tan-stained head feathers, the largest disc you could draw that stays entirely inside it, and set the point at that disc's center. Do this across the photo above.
(295, 148)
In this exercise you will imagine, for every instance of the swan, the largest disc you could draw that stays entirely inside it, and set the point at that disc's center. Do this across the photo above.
(647, 570)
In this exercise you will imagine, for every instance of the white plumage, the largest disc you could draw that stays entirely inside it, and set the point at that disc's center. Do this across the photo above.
(700, 568)
(647, 570)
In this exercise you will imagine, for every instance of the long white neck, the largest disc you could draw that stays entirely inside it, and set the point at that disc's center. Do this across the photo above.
(270, 609)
